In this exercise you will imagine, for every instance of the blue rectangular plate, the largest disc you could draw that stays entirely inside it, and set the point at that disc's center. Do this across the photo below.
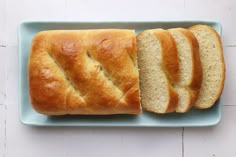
(26, 31)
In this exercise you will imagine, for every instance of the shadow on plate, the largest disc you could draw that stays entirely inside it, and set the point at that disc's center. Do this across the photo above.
(108, 118)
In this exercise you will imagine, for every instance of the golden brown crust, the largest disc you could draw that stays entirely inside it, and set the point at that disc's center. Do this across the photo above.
(174, 98)
(169, 56)
(172, 104)
(84, 72)
(197, 68)
(196, 81)
(197, 65)
(222, 61)
(170, 65)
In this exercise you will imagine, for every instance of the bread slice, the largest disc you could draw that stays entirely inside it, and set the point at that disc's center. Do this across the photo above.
(190, 69)
(158, 63)
(211, 55)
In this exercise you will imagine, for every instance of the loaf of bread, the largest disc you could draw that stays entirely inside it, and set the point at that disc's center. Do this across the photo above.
(159, 70)
(95, 72)
(213, 66)
(84, 72)
(190, 68)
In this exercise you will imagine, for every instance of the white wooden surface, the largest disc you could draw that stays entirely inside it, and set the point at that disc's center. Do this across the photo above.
(20, 140)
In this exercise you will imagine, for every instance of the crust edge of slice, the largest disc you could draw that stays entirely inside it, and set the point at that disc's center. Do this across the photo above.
(212, 30)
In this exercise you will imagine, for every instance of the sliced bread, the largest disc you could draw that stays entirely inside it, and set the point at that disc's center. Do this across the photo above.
(159, 70)
(213, 66)
(190, 69)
